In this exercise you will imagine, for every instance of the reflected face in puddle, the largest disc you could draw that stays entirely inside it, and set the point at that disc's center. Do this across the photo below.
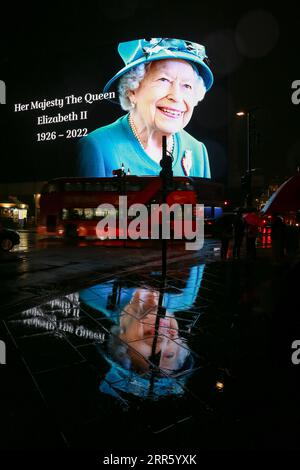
(132, 345)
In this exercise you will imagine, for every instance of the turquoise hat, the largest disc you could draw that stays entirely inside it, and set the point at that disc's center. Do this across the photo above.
(142, 51)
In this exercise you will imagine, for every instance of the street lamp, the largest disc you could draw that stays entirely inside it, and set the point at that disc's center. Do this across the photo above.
(247, 114)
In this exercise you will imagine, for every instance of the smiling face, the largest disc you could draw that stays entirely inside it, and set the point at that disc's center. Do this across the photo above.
(166, 97)
(138, 321)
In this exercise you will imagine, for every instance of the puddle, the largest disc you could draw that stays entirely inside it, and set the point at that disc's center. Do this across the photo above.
(139, 327)
(135, 359)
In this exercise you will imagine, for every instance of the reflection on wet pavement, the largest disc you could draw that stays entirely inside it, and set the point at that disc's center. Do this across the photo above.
(119, 319)
(108, 330)
(104, 382)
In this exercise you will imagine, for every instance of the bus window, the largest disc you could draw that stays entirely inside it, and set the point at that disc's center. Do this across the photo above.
(82, 214)
(73, 186)
(93, 186)
(134, 186)
(76, 214)
(184, 186)
(52, 188)
(65, 214)
(99, 212)
(107, 186)
(88, 214)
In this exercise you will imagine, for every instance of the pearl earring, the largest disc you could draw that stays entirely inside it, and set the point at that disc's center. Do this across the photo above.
(132, 104)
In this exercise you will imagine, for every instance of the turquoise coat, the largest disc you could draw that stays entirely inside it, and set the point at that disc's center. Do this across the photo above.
(107, 148)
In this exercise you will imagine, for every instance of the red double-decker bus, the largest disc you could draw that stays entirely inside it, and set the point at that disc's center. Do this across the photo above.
(69, 207)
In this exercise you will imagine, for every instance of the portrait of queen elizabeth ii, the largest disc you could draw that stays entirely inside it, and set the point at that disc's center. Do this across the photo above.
(161, 83)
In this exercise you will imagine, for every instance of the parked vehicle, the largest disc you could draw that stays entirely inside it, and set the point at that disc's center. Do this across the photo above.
(8, 239)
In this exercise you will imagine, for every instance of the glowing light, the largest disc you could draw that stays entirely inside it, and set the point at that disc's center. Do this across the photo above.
(42, 230)
(7, 205)
(82, 231)
(241, 113)
(220, 386)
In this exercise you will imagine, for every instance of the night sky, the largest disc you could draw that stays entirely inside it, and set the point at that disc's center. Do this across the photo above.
(71, 48)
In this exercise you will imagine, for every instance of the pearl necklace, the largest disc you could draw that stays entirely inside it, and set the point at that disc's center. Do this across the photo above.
(170, 144)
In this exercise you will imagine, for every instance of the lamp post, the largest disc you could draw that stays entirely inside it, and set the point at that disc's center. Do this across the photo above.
(166, 175)
(247, 178)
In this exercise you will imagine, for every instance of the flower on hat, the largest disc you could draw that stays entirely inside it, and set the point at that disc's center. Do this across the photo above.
(156, 45)
(140, 51)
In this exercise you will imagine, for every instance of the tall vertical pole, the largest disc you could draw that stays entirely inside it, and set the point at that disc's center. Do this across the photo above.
(249, 163)
(164, 178)
(248, 141)
(166, 175)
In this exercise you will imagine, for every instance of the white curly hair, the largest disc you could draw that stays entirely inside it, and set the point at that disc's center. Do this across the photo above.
(131, 80)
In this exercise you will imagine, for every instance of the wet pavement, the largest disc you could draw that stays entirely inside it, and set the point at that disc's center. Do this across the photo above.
(41, 268)
(85, 376)
(198, 361)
